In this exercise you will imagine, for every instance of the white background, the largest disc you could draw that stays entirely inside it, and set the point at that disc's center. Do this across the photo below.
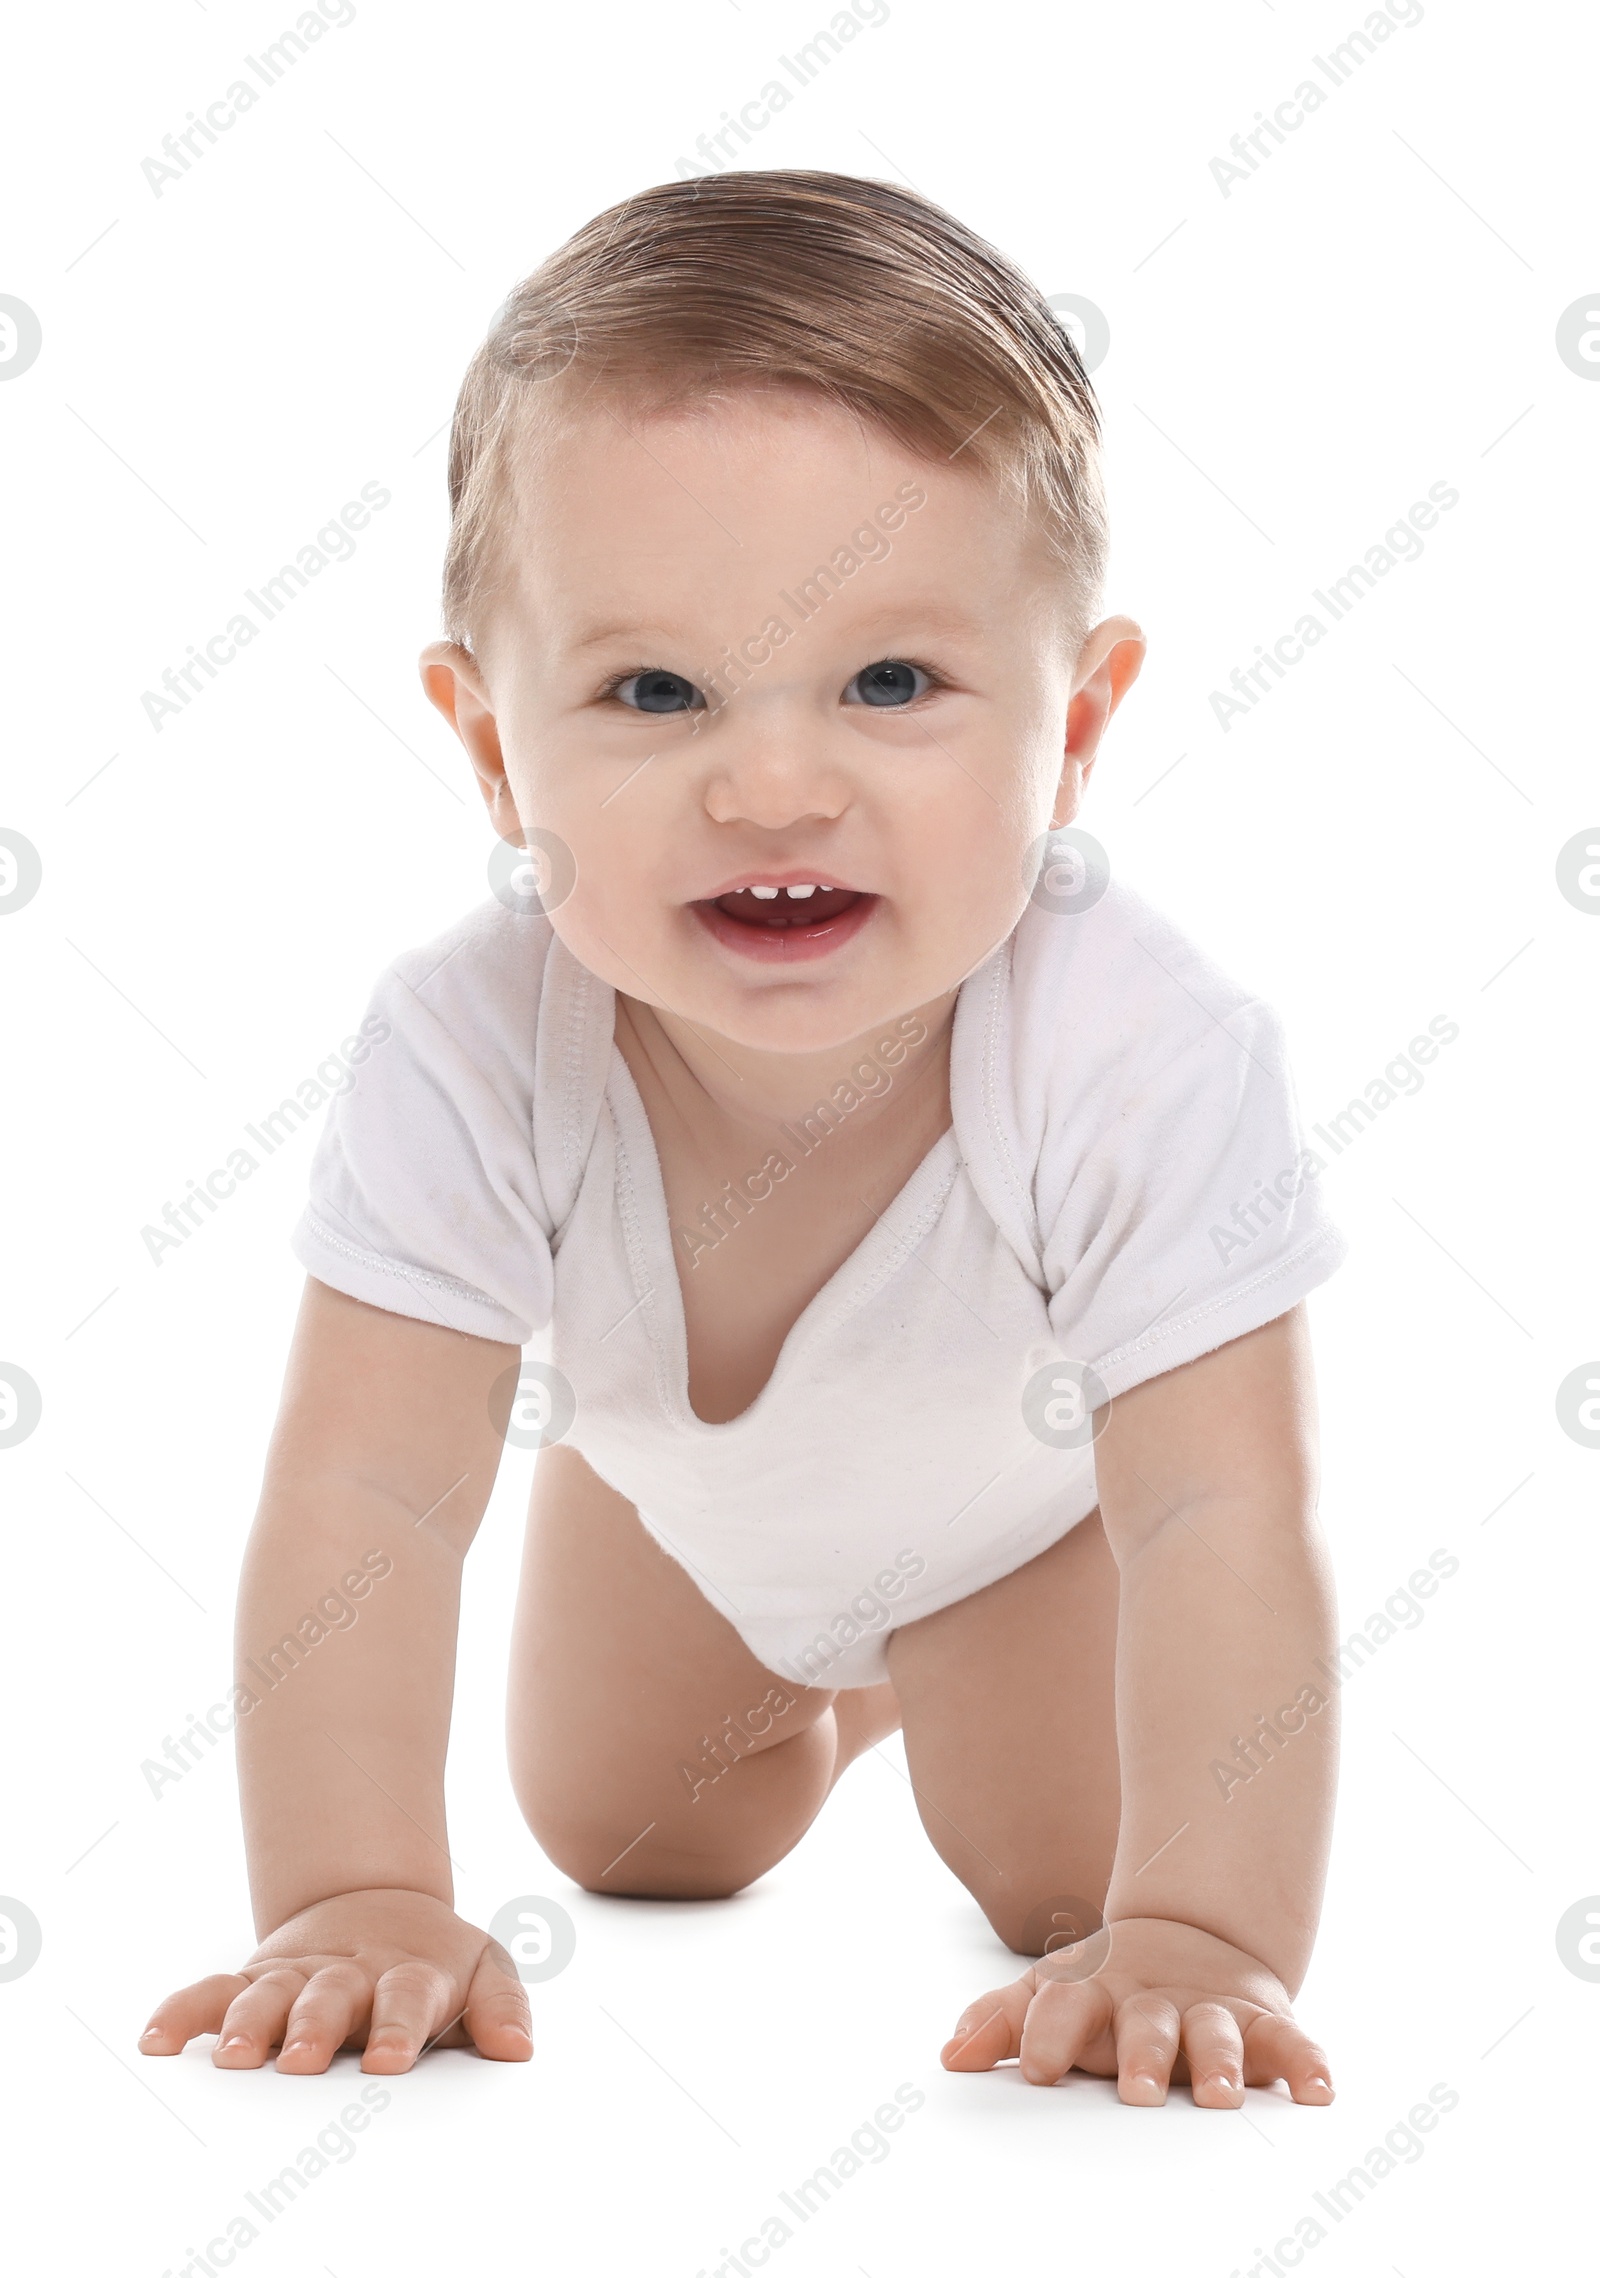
(1291, 366)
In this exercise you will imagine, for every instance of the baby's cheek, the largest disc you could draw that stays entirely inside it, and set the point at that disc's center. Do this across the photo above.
(618, 935)
(983, 895)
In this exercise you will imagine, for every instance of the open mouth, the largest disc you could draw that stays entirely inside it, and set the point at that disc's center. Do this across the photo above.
(808, 918)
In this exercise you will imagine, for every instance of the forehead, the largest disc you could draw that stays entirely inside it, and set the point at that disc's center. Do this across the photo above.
(623, 514)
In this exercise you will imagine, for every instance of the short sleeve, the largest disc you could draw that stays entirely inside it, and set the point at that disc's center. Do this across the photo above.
(1196, 1214)
(424, 1196)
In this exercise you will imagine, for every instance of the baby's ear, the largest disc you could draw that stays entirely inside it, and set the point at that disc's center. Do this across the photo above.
(1110, 657)
(1108, 665)
(456, 688)
(447, 668)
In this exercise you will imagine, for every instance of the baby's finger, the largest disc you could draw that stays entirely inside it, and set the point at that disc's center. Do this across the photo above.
(410, 2003)
(1147, 2043)
(198, 2008)
(1215, 2049)
(1276, 2049)
(497, 2008)
(255, 2020)
(333, 2006)
(989, 2029)
(1064, 2018)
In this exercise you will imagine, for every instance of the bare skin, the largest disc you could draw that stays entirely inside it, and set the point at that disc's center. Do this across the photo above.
(1008, 1701)
(1060, 1725)
(742, 1298)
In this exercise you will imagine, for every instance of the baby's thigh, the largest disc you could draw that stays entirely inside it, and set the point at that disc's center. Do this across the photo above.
(651, 1752)
(1008, 1705)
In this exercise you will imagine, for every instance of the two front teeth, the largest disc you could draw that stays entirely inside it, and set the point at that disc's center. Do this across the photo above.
(771, 893)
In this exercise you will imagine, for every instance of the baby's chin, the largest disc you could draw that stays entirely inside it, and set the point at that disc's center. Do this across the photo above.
(801, 1021)
(809, 1005)
(793, 1012)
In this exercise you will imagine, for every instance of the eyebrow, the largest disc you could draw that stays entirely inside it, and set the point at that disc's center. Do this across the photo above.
(935, 616)
(633, 629)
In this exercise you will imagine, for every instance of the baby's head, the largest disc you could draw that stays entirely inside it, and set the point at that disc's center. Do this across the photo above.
(776, 561)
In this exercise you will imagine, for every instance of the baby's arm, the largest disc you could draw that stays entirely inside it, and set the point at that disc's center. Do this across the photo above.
(1207, 1482)
(384, 1445)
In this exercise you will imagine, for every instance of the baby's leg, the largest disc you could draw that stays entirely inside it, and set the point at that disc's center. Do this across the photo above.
(653, 1755)
(1008, 1705)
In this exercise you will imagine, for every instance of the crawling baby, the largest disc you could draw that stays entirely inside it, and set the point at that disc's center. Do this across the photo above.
(820, 1156)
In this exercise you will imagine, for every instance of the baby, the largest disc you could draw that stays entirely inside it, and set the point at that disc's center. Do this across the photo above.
(911, 1227)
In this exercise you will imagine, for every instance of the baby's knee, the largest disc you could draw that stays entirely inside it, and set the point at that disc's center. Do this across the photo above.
(702, 1833)
(604, 1859)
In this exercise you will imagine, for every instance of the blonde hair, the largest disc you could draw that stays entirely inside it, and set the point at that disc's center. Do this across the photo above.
(866, 293)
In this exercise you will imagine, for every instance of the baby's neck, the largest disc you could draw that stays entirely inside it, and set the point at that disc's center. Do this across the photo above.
(759, 1091)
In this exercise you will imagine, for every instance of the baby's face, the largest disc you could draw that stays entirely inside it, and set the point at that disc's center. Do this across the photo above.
(800, 706)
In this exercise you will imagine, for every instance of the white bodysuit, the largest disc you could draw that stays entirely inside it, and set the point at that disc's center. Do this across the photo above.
(1124, 1185)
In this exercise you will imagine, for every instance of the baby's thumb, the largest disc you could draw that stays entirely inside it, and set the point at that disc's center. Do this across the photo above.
(497, 2008)
(988, 2030)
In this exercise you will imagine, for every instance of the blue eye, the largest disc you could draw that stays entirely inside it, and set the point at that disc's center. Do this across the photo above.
(889, 682)
(657, 691)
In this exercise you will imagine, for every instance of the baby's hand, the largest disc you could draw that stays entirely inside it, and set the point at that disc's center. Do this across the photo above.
(388, 1971)
(1148, 2001)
